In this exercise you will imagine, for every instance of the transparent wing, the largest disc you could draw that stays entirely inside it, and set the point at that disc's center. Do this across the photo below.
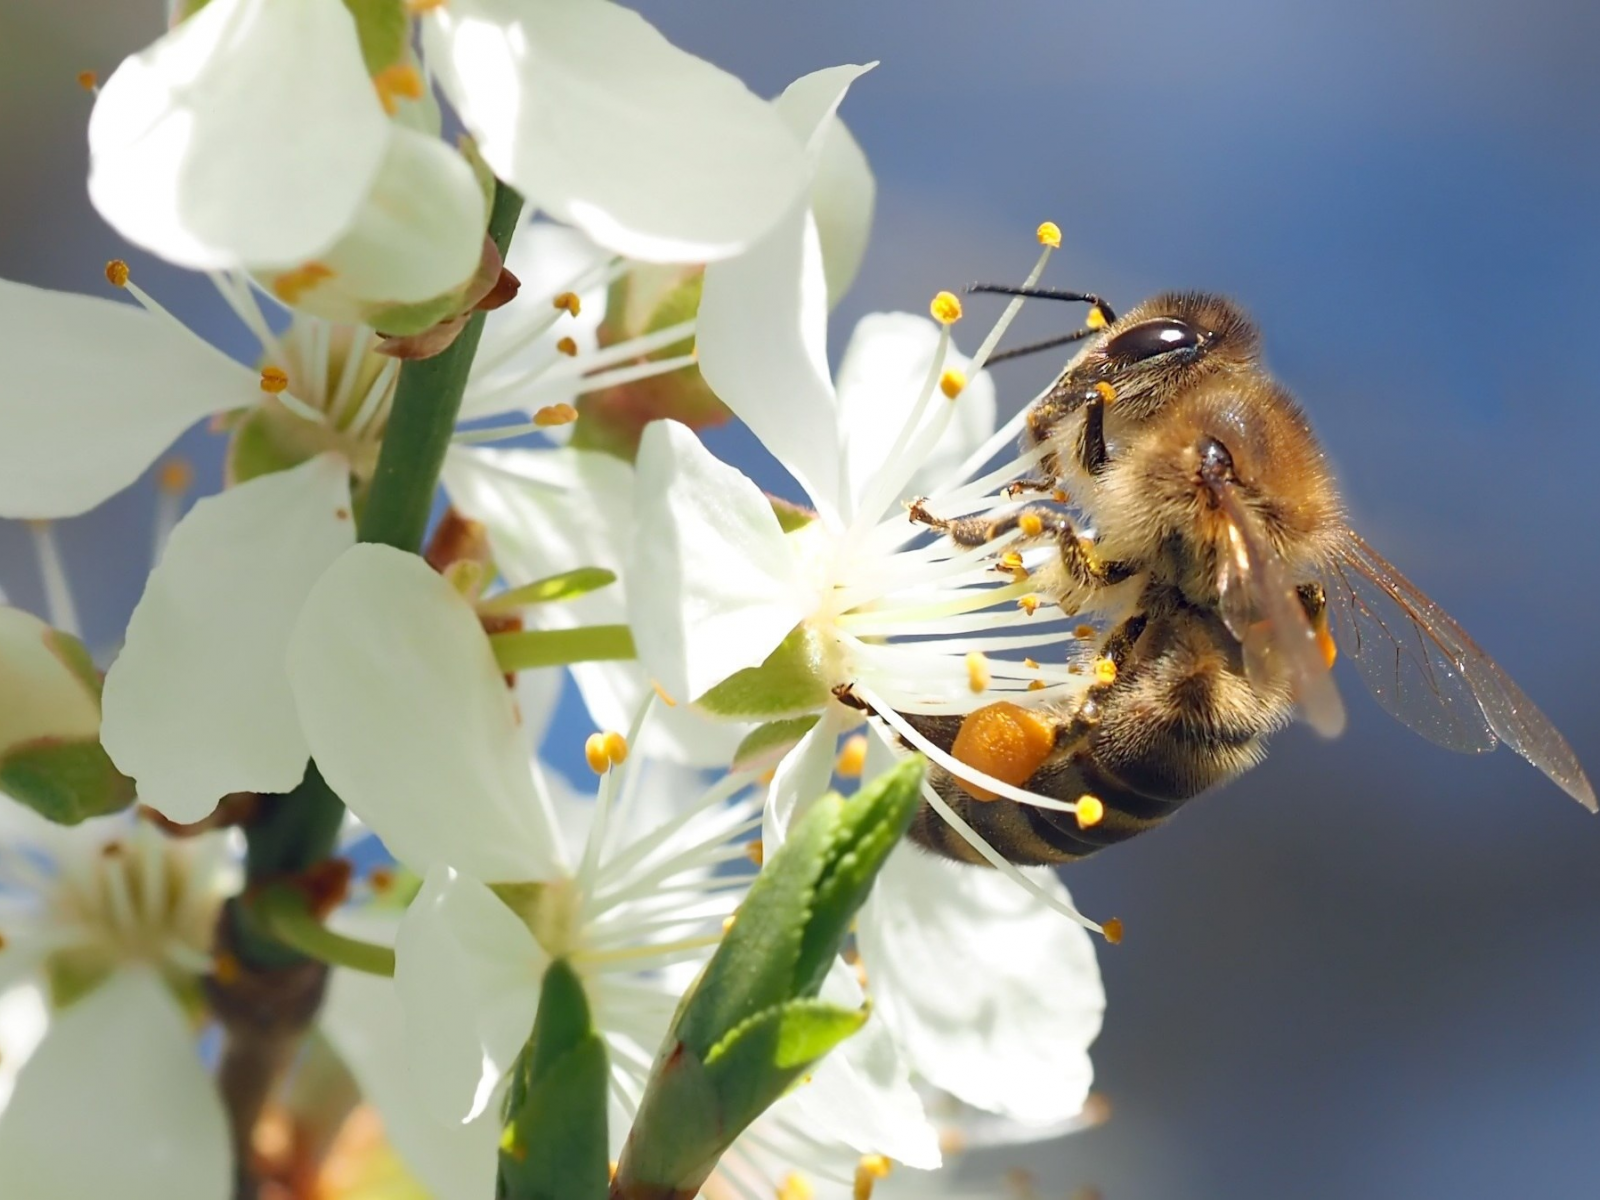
(1261, 608)
(1426, 671)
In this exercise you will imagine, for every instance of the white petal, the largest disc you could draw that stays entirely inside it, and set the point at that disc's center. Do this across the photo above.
(24, 1017)
(467, 972)
(843, 194)
(547, 259)
(603, 123)
(409, 719)
(762, 331)
(92, 391)
(803, 775)
(197, 705)
(364, 1020)
(861, 1093)
(990, 995)
(246, 136)
(418, 235)
(115, 1102)
(724, 588)
(883, 371)
(553, 510)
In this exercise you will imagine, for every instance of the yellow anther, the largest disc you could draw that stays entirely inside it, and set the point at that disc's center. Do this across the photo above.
(755, 851)
(117, 273)
(1030, 664)
(1085, 631)
(1036, 685)
(1011, 561)
(380, 880)
(952, 382)
(616, 747)
(727, 922)
(568, 347)
(1030, 524)
(1112, 930)
(796, 1186)
(1096, 318)
(88, 80)
(402, 81)
(273, 380)
(869, 1170)
(1059, 496)
(417, 7)
(594, 751)
(555, 414)
(1029, 604)
(1107, 393)
(977, 671)
(292, 285)
(852, 758)
(175, 476)
(1091, 811)
(1105, 671)
(1049, 234)
(946, 309)
(661, 694)
(568, 301)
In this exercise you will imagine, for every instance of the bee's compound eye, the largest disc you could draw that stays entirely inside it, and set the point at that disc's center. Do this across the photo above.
(1150, 338)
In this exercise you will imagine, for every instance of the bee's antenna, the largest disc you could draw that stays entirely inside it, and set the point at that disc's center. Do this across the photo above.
(1001, 289)
(1035, 347)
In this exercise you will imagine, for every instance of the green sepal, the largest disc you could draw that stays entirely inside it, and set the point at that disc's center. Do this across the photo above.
(383, 28)
(403, 320)
(790, 681)
(553, 1146)
(65, 781)
(764, 745)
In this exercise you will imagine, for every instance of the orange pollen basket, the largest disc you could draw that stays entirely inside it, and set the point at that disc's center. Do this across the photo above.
(1004, 740)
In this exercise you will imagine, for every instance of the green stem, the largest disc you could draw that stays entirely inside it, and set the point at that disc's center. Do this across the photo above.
(568, 585)
(283, 912)
(301, 827)
(426, 401)
(524, 650)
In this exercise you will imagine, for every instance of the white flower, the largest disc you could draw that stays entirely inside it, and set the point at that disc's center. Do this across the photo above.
(411, 723)
(98, 389)
(252, 137)
(110, 917)
(600, 121)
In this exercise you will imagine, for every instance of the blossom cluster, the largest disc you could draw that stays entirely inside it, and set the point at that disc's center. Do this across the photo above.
(682, 246)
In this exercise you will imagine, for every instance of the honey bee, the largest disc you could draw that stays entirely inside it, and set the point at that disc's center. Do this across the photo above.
(1215, 551)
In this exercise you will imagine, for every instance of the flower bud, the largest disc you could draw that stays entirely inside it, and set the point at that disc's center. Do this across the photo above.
(648, 298)
(50, 753)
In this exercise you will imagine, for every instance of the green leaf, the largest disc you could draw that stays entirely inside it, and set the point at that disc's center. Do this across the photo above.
(869, 827)
(753, 1024)
(766, 744)
(760, 1058)
(554, 1146)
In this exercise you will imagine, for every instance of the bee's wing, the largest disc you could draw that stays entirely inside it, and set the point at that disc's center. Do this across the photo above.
(1430, 675)
(1261, 608)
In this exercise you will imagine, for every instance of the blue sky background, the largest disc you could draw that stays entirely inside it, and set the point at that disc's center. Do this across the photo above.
(1369, 967)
